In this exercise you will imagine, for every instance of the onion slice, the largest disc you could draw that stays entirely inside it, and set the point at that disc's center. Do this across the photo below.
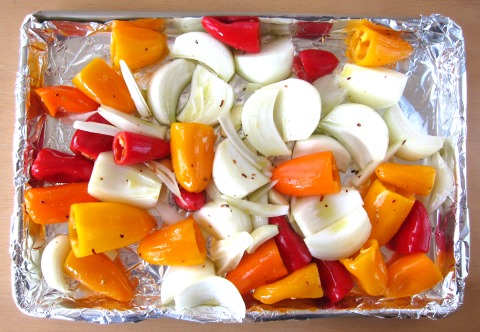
(135, 93)
(131, 123)
(96, 128)
(258, 209)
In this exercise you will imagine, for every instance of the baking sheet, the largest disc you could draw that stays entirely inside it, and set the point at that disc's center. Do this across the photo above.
(55, 45)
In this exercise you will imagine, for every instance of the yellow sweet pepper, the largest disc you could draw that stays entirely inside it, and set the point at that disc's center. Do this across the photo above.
(303, 283)
(137, 46)
(415, 179)
(191, 146)
(100, 226)
(387, 207)
(103, 84)
(369, 268)
(373, 45)
(412, 274)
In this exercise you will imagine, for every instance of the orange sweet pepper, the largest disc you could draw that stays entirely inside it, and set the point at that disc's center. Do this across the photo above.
(313, 174)
(192, 154)
(261, 267)
(387, 208)
(48, 205)
(100, 274)
(63, 99)
(373, 45)
(181, 243)
(412, 274)
(369, 268)
(137, 46)
(103, 84)
(415, 179)
(102, 226)
(157, 24)
(300, 284)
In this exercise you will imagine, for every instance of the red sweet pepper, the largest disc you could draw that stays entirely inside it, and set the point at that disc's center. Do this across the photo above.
(240, 32)
(311, 30)
(292, 248)
(90, 145)
(336, 280)
(132, 148)
(191, 201)
(415, 233)
(55, 166)
(312, 64)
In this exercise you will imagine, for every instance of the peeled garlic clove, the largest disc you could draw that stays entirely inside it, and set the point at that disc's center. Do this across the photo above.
(53, 259)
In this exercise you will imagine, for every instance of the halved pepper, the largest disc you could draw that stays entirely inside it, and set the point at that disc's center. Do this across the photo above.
(192, 150)
(132, 148)
(412, 274)
(369, 268)
(312, 64)
(415, 233)
(48, 205)
(137, 46)
(304, 283)
(181, 244)
(310, 175)
(61, 99)
(387, 208)
(100, 274)
(261, 267)
(373, 45)
(56, 166)
(103, 84)
(90, 145)
(415, 179)
(336, 280)
(102, 226)
(292, 248)
(152, 23)
(240, 32)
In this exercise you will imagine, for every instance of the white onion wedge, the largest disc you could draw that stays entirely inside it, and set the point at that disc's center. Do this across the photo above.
(314, 213)
(235, 117)
(360, 129)
(96, 128)
(377, 87)
(212, 291)
(320, 143)
(134, 184)
(341, 239)
(297, 110)
(259, 126)
(166, 85)
(233, 174)
(178, 278)
(166, 176)
(227, 253)
(210, 97)
(274, 197)
(135, 93)
(272, 64)
(261, 235)
(257, 209)
(204, 48)
(259, 221)
(330, 92)
(250, 154)
(444, 183)
(417, 144)
(222, 220)
(131, 123)
(53, 258)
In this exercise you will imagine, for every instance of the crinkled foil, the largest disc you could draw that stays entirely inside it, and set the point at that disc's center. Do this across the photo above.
(55, 46)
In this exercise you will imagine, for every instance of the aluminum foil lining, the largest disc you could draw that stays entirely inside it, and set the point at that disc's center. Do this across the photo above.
(55, 46)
